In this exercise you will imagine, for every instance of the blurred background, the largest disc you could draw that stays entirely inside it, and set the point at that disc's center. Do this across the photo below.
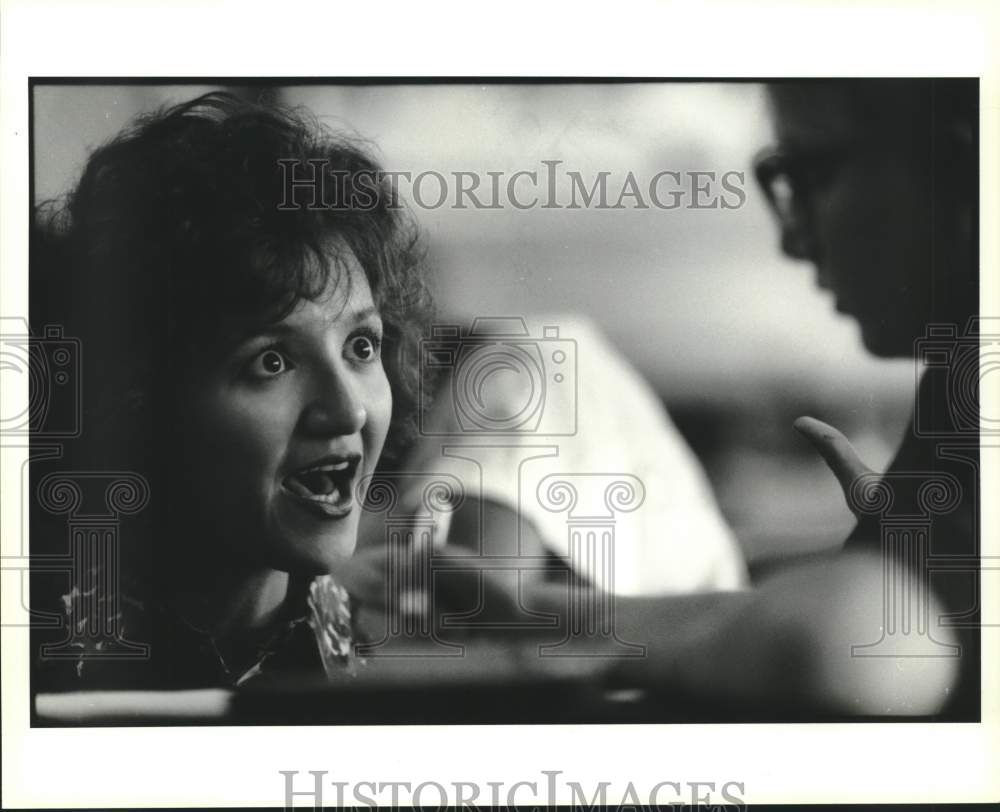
(735, 339)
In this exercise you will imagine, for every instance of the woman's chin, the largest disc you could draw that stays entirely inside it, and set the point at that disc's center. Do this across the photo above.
(311, 554)
(313, 542)
(321, 556)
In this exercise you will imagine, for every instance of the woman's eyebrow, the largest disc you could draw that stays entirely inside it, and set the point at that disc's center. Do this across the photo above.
(282, 329)
(276, 330)
(366, 313)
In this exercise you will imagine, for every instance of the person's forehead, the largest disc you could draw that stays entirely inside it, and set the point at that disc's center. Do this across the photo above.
(346, 295)
(813, 113)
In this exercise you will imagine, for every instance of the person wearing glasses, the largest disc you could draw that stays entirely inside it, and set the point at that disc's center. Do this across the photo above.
(874, 182)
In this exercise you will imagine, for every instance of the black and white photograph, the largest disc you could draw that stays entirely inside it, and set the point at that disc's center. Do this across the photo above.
(355, 409)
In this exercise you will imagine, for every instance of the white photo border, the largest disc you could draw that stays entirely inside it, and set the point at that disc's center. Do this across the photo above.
(238, 766)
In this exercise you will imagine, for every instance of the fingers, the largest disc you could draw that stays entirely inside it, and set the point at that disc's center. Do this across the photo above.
(835, 449)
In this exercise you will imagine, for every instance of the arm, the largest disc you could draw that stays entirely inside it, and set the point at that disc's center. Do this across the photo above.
(787, 643)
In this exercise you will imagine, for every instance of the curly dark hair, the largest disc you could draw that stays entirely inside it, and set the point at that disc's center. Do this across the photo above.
(179, 228)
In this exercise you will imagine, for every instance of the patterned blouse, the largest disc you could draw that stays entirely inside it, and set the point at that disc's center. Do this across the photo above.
(314, 636)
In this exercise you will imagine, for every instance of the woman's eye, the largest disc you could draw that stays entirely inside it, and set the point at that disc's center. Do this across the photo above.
(268, 364)
(365, 347)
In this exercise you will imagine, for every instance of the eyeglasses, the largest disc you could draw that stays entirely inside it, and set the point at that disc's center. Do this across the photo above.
(790, 178)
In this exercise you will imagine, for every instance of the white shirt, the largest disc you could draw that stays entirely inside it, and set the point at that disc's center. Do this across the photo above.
(549, 413)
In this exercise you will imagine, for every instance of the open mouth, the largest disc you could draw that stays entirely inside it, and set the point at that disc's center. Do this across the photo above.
(327, 486)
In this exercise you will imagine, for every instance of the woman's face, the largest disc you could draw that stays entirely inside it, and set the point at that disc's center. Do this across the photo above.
(282, 425)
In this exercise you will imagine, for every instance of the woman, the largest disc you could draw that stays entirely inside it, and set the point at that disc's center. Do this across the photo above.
(244, 354)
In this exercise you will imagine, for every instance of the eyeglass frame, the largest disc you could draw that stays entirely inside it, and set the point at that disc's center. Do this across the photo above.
(804, 170)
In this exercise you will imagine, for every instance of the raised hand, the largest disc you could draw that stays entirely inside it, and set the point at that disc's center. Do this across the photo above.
(836, 450)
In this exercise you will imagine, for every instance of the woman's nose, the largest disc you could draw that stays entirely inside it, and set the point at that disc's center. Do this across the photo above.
(335, 406)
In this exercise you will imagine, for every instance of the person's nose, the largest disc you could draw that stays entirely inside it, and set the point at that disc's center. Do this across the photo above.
(797, 241)
(335, 406)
